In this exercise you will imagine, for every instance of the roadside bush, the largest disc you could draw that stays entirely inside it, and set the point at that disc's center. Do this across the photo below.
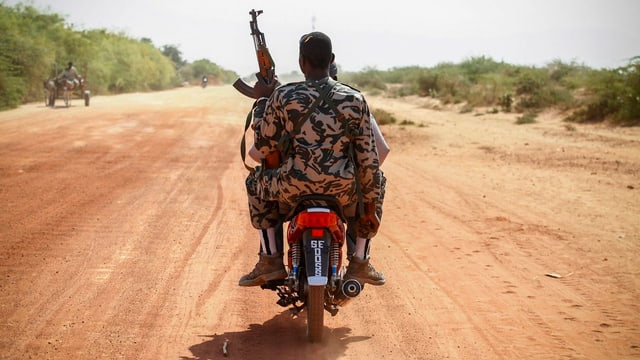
(366, 80)
(193, 72)
(383, 117)
(25, 54)
(536, 90)
(403, 90)
(427, 84)
(599, 95)
(612, 95)
(11, 86)
(475, 67)
(505, 101)
(527, 118)
(571, 76)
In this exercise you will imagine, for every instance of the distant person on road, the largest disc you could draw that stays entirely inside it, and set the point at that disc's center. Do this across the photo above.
(71, 75)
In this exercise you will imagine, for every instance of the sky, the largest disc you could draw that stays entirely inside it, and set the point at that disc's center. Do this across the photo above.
(373, 34)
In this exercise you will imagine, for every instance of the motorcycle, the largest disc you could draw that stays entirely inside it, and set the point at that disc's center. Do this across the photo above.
(315, 282)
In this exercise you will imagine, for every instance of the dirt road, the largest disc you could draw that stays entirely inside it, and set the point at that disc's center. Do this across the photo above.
(124, 231)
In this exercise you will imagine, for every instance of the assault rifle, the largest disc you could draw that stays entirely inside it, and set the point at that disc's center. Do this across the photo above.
(265, 62)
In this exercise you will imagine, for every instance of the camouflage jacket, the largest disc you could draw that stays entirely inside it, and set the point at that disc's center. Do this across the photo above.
(319, 160)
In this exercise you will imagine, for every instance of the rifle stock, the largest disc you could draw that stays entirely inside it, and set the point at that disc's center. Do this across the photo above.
(244, 88)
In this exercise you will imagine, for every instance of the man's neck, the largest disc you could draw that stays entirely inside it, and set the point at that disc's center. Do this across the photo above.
(316, 75)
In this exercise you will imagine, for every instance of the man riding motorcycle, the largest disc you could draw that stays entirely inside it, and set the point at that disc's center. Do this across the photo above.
(334, 153)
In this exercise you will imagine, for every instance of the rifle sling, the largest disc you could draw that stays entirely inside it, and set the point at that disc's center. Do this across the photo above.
(243, 144)
(323, 92)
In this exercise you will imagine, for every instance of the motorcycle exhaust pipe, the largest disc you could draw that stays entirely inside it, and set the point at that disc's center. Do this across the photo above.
(348, 290)
(351, 288)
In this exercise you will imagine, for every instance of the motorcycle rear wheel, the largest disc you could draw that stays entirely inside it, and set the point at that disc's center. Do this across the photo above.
(315, 313)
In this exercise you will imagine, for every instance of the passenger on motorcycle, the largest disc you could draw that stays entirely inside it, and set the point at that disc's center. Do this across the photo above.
(319, 160)
(383, 151)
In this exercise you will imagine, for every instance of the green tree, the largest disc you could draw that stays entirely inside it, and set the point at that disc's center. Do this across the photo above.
(173, 53)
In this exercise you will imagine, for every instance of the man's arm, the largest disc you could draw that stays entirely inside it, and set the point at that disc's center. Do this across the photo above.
(381, 143)
(264, 148)
(367, 156)
(255, 154)
(370, 176)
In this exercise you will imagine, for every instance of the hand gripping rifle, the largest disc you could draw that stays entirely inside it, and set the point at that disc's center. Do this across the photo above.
(265, 62)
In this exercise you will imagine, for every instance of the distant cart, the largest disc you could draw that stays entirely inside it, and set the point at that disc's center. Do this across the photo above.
(65, 90)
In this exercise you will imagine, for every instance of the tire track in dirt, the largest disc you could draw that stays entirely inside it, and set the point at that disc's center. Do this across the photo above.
(424, 237)
(190, 262)
(454, 217)
(53, 231)
(126, 231)
(518, 244)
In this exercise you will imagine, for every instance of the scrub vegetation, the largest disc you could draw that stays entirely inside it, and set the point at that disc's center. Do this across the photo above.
(587, 95)
(36, 46)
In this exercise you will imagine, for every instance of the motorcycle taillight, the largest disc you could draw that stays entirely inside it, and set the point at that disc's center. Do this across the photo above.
(317, 233)
(317, 219)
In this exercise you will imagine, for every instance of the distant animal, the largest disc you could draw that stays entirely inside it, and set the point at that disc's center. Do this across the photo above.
(49, 92)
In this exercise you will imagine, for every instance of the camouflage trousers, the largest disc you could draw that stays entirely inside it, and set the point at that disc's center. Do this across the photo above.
(268, 206)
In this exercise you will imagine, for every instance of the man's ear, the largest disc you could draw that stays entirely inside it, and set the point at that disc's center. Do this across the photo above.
(333, 58)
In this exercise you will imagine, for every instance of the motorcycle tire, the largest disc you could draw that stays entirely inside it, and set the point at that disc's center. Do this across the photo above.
(315, 313)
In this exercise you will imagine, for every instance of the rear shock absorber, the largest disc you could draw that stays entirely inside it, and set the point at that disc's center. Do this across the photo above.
(336, 257)
(295, 259)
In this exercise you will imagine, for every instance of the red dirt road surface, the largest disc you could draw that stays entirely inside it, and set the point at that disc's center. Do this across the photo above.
(124, 231)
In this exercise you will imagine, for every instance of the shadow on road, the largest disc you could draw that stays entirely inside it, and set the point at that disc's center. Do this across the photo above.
(279, 338)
